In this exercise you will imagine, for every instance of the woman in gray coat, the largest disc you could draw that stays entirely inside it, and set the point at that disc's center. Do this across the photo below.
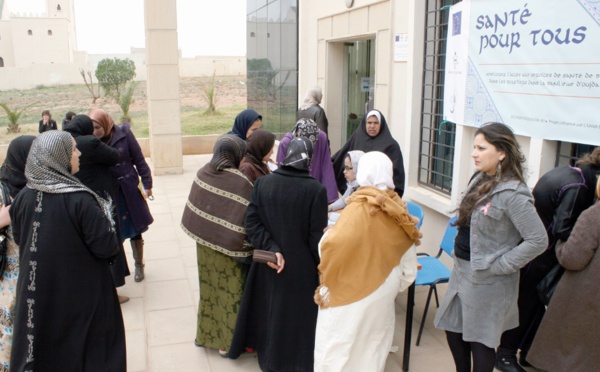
(499, 231)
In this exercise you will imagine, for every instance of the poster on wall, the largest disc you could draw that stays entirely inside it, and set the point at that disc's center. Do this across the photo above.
(534, 66)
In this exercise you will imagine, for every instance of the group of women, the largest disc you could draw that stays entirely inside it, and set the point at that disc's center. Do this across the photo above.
(237, 204)
(64, 225)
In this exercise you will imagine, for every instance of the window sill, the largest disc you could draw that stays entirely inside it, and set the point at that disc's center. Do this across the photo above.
(430, 199)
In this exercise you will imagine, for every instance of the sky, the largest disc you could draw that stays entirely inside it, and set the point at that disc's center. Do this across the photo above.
(205, 28)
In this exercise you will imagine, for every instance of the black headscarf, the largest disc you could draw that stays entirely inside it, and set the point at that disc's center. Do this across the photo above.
(361, 140)
(243, 122)
(80, 125)
(228, 152)
(299, 153)
(12, 172)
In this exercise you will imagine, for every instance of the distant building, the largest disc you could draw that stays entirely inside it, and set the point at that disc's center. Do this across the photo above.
(50, 35)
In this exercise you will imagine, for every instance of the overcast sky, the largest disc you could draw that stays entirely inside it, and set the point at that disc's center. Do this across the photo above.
(113, 26)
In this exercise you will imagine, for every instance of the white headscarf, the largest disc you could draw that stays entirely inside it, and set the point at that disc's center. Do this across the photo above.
(313, 97)
(375, 169)
(376, 114)
(354, 156)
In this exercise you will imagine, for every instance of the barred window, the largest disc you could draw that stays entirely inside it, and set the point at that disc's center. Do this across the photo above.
(568, 153)
(436, 152)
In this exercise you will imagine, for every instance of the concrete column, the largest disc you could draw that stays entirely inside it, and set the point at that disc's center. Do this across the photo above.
(162, 61)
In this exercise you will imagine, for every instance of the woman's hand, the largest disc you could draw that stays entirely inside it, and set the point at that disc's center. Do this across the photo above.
(4, 216)
(280, 263)
(149, 194)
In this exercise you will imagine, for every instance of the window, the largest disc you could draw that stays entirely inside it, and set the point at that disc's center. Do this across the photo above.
(49, 32)
(1, 62)
(58, 7)
(252, 34)
(29, 32)
(436, 152)
(568, 153)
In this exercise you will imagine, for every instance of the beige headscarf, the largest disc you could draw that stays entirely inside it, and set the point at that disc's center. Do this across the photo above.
(313, 97)
(103, 118)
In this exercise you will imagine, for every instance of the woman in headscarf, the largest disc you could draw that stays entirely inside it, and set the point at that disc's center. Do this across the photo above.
(320, 165)
(287, 215)
(214, 217)
(246, 123)
(94, 172)
(68, 314)
(362, 272)
(372, 134)
(350, 171)
(12, 179)
(134, 214)
(310, 109)
(260, 149)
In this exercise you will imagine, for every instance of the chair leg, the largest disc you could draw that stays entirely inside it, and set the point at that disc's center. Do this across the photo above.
(437, 302)
(424, 315)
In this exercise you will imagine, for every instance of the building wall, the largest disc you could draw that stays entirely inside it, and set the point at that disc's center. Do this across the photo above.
(325, 26)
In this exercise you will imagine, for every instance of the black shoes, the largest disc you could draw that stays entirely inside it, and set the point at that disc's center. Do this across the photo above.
(507, 362)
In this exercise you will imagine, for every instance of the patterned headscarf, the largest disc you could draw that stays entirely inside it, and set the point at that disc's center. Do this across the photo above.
(313, 97)
(12, 172)
(228, 152)
(306, 128)
(48, 168)
(299, 153)
(80, 125)
(243, 122)
(375, 169)
(104, 119)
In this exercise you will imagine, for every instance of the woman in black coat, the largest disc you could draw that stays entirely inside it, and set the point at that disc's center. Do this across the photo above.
(94, 172)
(287, 215)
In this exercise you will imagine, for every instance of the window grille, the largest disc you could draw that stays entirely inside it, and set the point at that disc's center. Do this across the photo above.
(568, 153)
(436, 152)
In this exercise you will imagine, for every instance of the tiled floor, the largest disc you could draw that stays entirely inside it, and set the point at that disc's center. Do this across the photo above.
(160, 318)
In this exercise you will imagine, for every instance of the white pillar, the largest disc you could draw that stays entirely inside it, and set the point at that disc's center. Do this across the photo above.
(162, 61)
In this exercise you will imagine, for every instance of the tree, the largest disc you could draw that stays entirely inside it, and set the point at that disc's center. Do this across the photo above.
(126, 101)
(90, 84)
(113, 76)
(13, 117)
(209, 93)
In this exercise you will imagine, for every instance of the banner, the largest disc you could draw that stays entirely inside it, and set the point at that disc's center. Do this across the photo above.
(533, 65)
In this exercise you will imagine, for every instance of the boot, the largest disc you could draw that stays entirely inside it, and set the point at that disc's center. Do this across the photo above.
(137, 246)
(506, 361)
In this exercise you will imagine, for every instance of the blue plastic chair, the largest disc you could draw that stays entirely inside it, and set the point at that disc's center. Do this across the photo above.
(433, 271)
(415, 209)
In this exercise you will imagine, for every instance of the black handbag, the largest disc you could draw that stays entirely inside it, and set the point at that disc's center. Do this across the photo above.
(546, 286)
(3, 237)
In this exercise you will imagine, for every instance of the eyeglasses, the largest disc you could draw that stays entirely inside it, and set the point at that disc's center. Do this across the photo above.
(347, 168)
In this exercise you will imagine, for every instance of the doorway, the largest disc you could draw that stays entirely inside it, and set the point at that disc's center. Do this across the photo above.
(359, 83)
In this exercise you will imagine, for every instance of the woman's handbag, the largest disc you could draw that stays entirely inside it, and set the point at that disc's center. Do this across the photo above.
(546, 286)
(264, 256)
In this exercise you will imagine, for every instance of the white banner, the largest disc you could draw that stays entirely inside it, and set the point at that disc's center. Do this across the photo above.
(533, 65)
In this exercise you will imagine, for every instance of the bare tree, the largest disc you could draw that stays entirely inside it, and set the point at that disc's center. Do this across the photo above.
(90, 84)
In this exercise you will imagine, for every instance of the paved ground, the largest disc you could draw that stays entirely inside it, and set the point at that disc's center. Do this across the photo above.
(160, 318)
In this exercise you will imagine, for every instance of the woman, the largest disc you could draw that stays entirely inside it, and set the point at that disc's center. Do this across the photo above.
(47, 123)
(12, 180)
(350, 171)
(568, 338)
(499, 231)
(310, 109)
(134, 213)
(94, 172)
(260, 149)
(372, 134)
(286, 215)
(246, 123)
(214, 218)
(320, 164)
(68, 314)
(363, 271)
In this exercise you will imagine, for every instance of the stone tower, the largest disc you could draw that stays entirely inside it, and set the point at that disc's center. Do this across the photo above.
(64, 9)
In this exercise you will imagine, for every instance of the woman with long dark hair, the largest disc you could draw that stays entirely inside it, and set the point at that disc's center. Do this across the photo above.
(499, 231)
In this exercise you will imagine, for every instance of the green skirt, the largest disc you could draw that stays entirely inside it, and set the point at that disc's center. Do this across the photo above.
(222, 282)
